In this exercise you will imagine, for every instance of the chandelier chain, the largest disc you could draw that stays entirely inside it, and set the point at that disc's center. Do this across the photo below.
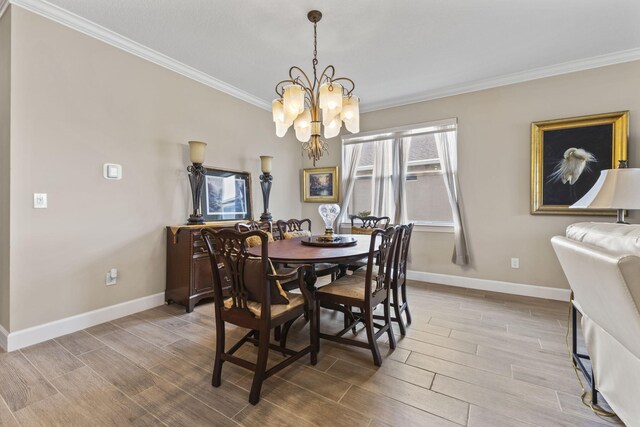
(315, 51)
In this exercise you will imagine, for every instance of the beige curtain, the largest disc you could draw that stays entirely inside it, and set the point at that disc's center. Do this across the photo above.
(382, 201)
(399, 179)
(446, 143)
(350, 162)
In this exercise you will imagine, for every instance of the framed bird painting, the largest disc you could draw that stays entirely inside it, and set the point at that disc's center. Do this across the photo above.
(567, 156)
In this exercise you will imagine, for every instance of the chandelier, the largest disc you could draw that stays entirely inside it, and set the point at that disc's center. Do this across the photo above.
(300, 100)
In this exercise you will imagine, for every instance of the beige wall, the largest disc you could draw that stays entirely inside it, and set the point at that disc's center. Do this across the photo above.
(5, 118)
(494, 161)
(79, 103)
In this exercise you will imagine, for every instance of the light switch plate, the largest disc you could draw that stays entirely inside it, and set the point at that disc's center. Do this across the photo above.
(112, 171)
(40, 200)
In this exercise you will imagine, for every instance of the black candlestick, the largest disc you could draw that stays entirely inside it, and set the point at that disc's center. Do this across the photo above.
(196, 179)
(265, 183)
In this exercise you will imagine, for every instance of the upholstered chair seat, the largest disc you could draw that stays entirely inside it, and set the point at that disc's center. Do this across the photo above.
(350, 286)
(277, 310)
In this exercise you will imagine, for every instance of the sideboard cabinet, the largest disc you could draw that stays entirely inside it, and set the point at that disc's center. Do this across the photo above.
(189, 277)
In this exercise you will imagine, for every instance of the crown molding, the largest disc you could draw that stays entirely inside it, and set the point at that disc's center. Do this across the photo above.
(508, 79)
(4, 5)
(71, 20)
(78, 23)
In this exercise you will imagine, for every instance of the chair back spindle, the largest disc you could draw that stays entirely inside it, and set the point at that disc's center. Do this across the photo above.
(366, 224)
(230, 248)
(378, 275)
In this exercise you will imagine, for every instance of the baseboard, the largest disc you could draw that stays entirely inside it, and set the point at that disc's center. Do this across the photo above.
(3, 338)
(26, 337)
(491, 285)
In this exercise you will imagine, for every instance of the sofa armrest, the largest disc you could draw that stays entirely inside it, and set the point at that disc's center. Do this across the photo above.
(606, 284)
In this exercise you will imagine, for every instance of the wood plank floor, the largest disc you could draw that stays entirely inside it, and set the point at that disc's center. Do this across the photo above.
(470, 358)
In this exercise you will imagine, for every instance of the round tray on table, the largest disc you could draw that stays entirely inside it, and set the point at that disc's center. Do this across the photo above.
(339, 241)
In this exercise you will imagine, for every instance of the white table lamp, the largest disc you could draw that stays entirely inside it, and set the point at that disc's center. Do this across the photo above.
(615, 189)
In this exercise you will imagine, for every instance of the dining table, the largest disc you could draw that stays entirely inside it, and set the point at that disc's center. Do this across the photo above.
(294, 252)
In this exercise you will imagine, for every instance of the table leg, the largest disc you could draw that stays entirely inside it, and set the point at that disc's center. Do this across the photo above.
(343, 270)
(310, 278)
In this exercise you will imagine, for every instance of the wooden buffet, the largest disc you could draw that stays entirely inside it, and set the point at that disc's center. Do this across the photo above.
(189, 278)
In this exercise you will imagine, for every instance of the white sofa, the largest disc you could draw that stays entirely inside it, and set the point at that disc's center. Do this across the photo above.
(602, 263)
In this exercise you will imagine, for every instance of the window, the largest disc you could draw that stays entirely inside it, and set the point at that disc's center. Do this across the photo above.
(426, 198)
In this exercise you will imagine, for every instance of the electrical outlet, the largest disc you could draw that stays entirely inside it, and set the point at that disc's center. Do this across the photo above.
(515, 262)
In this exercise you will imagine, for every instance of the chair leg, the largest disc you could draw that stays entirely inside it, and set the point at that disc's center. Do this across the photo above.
(277, 333)
(397, 312)
(261, 368)
(285, 333)
(387, 321)
(313, 336)
(403, 288)
(216, 378)
(316, 314)
(373, 343)
(345, 318)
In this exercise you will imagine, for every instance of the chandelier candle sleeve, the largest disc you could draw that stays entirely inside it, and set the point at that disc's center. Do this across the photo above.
(302, 98)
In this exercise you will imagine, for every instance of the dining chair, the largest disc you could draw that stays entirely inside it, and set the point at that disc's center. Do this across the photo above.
(266, 226)
(257, 303)
(293, 228)
(365, 293)
(365, 225)
(398, 285)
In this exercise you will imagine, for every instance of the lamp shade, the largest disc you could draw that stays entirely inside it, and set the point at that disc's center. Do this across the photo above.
(293, 102)
(332, 128)
(330, 101)
(350, 113)
(302, 126)
(196, 151)
(615, 189)
(265, 163)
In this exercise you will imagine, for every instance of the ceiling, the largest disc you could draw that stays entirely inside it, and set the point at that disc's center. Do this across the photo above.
(397, 52)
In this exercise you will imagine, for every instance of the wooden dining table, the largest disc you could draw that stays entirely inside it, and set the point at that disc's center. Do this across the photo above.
(293, 252)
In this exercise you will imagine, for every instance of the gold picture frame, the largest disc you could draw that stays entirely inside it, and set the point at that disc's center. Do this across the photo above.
(320, 185)
(567, 156)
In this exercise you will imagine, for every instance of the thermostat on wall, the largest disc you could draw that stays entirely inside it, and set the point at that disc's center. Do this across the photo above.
(112, 171)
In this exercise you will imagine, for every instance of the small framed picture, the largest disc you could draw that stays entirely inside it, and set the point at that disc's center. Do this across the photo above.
(321, 185)
(226, 195)
(567, 156)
